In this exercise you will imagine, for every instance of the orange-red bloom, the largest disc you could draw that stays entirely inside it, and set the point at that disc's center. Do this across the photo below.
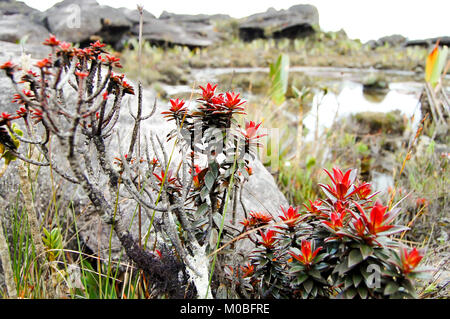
(51, 41)
(290, 216)
(208, 92)
(251, 129)
(378, 219)
(410, 260)
(336, 221)
(268, 238)
(261, 217)
(307, 255)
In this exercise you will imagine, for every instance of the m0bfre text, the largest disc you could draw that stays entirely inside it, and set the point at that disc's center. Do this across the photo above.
(231, 308)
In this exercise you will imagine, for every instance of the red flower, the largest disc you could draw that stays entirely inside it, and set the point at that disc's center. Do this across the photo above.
(196, 179)
(421, 202)
(127, 88)
(9, 68)
(177, 105)
(291, 216)
(363, 191)
(114, 61)
(378, 220)
(232, 100)
(51, 41)
(6, 117)
(268, 238)
(22, 112)
(251, 129)
(341, 183)
(261, 217)
(208, 93)
(36, 115)
(409, 260)
(65, 46)
(17, 98)
(97, 45)
(336, 221)
(169, 179)
(105, 95)
(44, 63)
(307, 255)
(247, 270)
(8, 65)
(359, 227)
(314, 208)
(82, 75)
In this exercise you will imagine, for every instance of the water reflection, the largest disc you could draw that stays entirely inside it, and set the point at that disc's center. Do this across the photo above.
(351, 99)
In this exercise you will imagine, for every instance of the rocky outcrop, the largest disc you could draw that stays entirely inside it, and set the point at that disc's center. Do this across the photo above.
(170, 29)
(15, 27)
(395, 40)
(9, 7)
(81, 21)
(444, 40)
(297, 21)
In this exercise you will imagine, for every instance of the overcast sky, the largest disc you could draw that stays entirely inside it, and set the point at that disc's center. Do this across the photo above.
(363, 19)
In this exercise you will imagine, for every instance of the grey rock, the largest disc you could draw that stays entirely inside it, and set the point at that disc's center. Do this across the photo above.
(194, 18)
(169, 32)
(17, 26)
(394, 40)
(297, 21)
(444, 40)
(8, 7)
(133, 15)
(84, 20)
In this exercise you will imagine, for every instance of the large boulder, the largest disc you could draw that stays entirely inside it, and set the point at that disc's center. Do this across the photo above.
(394, 40)
(194, 18)
(297, 21)
(8, 7)
(81, 21)
(15, 27)
(173, 32)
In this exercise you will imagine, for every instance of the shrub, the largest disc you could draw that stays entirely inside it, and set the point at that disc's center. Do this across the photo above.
(338, 246)
(186, 198)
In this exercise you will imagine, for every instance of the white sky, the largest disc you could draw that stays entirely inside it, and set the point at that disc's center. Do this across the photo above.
(363, 19)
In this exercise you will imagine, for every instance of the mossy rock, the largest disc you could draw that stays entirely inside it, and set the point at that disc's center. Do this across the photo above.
(391, 123)
(375, 82)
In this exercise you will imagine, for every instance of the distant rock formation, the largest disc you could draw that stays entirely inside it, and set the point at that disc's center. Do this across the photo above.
(444, 40)
(297, 21)
(84, 21)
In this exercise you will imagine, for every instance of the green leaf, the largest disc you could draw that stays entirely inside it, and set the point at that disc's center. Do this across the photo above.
(308, 285)
(350, 293)
(202, 209)
(362, 291)
(439, 65)
(209, 179)
(356, 279)
(391, 288)
(204, 193)
(299, 279)
(354, 258)
(279, 73)
(366, 251)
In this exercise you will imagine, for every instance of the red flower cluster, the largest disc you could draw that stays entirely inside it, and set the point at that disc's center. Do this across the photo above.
(307, 255)
(257, 219)
(220, 103)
